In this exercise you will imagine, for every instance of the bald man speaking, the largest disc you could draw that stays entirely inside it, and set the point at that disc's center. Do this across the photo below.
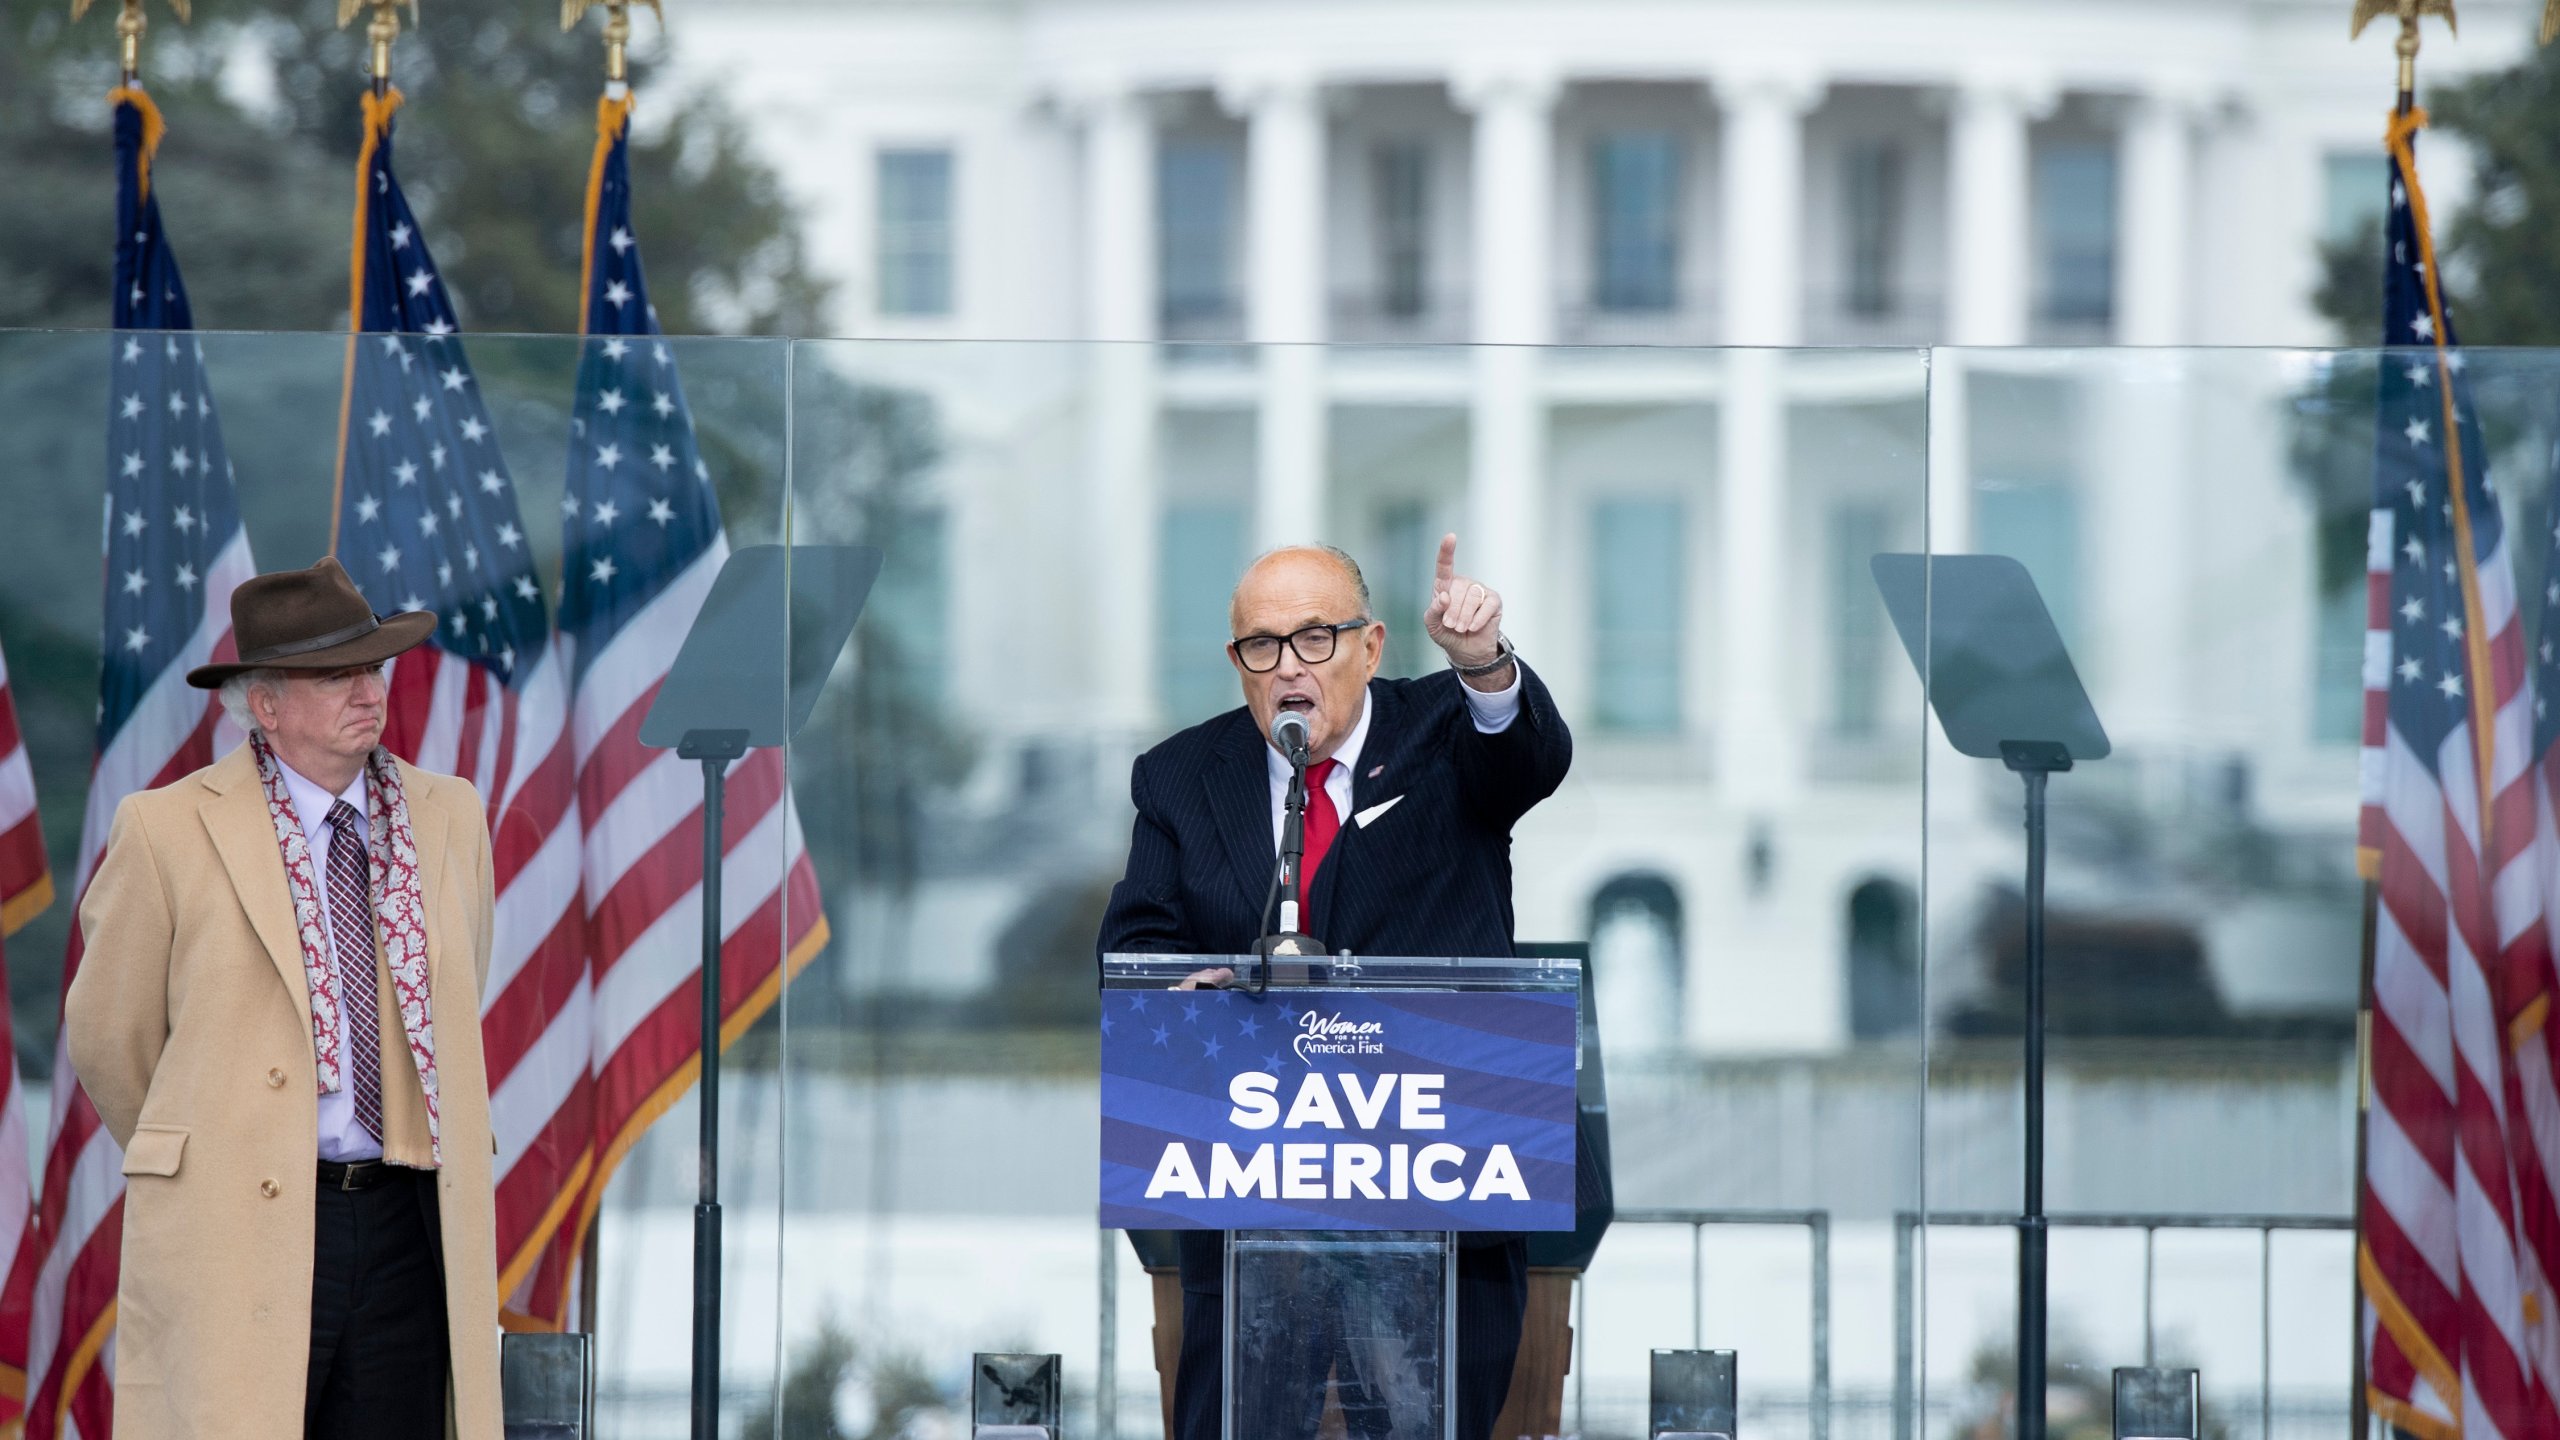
(1413, 789)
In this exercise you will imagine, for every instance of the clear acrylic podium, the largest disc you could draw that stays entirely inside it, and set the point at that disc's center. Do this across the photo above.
(1347, 1328)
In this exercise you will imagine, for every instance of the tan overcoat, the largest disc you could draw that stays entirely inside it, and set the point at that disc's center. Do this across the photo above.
(189, 1023)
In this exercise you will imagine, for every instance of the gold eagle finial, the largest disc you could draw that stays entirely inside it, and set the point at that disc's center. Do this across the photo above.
(384, 29)
(2408, 11)
(130, 23)
(617, 30)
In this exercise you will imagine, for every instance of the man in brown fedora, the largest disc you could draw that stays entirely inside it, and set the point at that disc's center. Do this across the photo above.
(277, 1014)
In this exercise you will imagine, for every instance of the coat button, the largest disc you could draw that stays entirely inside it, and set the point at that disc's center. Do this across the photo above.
(267, 1188)
(275, 1079)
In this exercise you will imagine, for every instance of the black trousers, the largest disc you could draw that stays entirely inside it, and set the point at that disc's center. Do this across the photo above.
(1493, 1295)
(379, 1353)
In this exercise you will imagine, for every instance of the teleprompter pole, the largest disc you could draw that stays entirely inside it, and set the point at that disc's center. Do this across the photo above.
(715, 749)
(2036, 764)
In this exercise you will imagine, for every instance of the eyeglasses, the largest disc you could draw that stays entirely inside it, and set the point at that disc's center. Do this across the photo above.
(1313, 645)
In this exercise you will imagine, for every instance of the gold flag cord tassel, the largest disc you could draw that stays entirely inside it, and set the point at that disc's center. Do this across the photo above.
(130, 25)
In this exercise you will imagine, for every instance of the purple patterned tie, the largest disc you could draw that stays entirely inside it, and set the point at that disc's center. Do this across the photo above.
(351, 941)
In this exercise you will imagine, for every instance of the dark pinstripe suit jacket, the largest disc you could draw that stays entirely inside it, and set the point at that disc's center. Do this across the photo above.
(1432, 876)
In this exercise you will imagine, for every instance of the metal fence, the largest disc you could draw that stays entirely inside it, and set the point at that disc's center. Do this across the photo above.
(1907, 1224)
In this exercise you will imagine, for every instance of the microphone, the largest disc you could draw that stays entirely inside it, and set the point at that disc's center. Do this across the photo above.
(1289, 732)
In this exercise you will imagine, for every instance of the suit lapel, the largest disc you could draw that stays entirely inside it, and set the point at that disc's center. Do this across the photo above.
(244, 835)
(1239, 785)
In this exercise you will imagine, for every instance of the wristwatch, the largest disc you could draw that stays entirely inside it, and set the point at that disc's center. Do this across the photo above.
(1501, 656)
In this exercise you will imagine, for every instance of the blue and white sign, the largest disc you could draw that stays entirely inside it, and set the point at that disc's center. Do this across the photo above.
(1337, 1110)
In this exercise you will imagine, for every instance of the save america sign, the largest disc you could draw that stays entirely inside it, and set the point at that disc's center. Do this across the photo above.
(1337, 1110)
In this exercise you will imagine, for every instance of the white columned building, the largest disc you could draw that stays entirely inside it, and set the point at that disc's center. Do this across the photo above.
(1120, 280)
(1511, 200)
(1283, 109)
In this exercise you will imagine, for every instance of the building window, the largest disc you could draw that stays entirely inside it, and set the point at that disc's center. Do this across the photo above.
(2355, 193)
(1636, 971)
(907, 623)
(1857, 621)
(1635, 189)
(1203, 551)
(1635, 611)
(1400, 175)
(1404, 556)
(1884, 960)
(1196, 233)
(915, 232)
(2039, 527)
(2075, 231)
(1872, 208)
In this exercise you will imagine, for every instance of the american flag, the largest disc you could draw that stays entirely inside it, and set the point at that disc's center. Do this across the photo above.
(174, 552)
(2458, 1319)
(26, 880)
(641, 540)
(26, 887)
(427, 520)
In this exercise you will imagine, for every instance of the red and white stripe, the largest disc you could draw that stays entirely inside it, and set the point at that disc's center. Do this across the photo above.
(643, 881)
(65, 1277)
(26, 881)
(26, 886)
(2464, 1126)
(454, 717)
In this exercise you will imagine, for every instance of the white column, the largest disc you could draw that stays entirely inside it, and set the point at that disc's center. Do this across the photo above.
(1755, 745)
(1744, 702)
(1763, 205)
(1507, 536)
(1119, 215)
(2152, 209)
(1987, 261)
(1284, 295)
(1121, 415)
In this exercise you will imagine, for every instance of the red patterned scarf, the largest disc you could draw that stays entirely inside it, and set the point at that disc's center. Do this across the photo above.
(400, 915)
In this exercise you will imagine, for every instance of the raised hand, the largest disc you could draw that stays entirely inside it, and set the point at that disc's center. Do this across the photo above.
(1464, 617)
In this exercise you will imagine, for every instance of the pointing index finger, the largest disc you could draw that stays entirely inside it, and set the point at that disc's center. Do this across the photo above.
(1448, 559)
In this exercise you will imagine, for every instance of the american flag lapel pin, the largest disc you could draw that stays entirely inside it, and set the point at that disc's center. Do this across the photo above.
(1377, 770)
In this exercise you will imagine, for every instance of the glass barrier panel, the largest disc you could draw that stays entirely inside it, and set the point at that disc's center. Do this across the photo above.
(1680, 539)
(557, 504)
(2198, 525)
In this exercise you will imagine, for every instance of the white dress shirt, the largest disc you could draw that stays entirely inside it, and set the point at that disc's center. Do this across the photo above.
(341, 1137)
(1492, 710)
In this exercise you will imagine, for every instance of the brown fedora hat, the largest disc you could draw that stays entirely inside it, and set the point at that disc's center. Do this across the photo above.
(311, 619)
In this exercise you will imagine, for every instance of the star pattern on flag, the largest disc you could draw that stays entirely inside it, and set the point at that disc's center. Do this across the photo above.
(429, 519)
(170, 506)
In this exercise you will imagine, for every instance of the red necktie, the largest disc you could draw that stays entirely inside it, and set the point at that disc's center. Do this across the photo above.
(1323, 823)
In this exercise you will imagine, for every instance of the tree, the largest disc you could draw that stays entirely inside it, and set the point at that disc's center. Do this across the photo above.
(494, 147)
(2501, 273)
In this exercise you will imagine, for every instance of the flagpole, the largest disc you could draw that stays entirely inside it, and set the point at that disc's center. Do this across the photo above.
(2369, 861)
(617, 77)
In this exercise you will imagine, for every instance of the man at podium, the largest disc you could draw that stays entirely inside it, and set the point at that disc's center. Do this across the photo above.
(1413, 788)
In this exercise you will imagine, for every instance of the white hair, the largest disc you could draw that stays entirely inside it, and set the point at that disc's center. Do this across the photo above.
(235, 696)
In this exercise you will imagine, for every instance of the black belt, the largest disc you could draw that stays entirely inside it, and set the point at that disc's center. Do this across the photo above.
(353, 1174)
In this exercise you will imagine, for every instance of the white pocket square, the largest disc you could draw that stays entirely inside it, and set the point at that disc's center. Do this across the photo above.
(1373, 812)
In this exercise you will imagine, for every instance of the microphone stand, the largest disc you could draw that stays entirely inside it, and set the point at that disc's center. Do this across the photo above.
(1288, 880)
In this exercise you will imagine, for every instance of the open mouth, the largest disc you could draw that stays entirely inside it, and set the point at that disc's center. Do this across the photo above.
(1295, 701)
